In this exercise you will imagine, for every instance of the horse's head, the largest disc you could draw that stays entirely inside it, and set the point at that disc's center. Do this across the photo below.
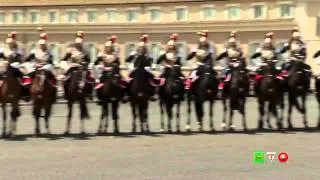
(239, 76)
(112, 79)
(174, 83)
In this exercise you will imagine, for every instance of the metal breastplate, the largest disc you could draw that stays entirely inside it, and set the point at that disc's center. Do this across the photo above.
(267, 54)
(8, 54)
(108, 58)
(295, 47)
(233, 53)
(77, 56)
(171, 57)
(201, 54)
(42, 56)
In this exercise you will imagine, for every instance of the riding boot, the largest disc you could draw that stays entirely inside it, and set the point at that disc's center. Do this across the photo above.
(25, 94)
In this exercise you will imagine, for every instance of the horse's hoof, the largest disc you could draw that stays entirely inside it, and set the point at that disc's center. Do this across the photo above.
(212, 130)
(161, 130)
(83, 133)
(245, 129)
(116, 131)
(319, 125)
(290, 126)
(178, 130)
(279, 126)
(169, 131)
(66, 133)
(232, 127)
(306, 125)
(269, 126)
(188, 128)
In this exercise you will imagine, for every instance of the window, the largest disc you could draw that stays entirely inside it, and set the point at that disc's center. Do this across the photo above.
(53, 17)
(252, 49)
(155, 49)
(17, 17)
(112, 16)
(92, 16)
(208, 13)
(258, 11)
(2, 17)
(181, 14)
(54, 49)
(318, 25)
(130, 47)
(34, 17)
(155, 15)
(72, 16)
(182, 49)
(286, 10)
(233, 12)
(133, 15)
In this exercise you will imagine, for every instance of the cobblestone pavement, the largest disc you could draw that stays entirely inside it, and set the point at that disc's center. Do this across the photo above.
(156, 156)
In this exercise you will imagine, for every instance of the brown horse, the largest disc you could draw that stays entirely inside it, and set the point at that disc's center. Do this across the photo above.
(10, 93)
(43, 94)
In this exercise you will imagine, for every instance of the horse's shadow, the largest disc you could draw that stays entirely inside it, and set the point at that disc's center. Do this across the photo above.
(91, 136)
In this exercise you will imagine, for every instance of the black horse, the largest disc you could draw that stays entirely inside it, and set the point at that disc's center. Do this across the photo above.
(236, 91)
(269, 90)
(78, 90)
(110, 93)
(297, 88)
(141, 90)
(204, 88)
(171, 93)
(43, 92)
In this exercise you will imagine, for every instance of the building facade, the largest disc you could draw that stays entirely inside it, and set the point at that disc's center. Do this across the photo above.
(159, 18)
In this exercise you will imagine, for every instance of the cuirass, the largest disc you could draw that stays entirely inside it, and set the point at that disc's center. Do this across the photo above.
(267, 54)
(171, 57)
(77, 56)
(108, 58)
(42, 56)
(295, 47)
(8, 53)
(201, 53)
(232, 53)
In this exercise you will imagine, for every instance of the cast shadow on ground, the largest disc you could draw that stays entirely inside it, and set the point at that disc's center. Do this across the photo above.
(91, 136)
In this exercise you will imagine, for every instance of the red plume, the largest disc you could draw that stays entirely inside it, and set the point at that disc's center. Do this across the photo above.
(44, 36)
(113, 39)
(13, 35)
(144, 38)
(205, 33)
(174, 37)
(80, 34)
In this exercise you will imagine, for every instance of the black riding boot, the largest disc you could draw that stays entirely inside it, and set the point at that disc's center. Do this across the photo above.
(25, 94)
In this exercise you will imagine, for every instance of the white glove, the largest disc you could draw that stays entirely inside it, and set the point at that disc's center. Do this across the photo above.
(15, 65)
(47, 67)
(194, 49)
(1, 50)
(147, 68)
(133, 53)
(33, 51)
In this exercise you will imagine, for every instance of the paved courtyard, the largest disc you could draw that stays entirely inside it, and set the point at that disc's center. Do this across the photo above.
(156, 156)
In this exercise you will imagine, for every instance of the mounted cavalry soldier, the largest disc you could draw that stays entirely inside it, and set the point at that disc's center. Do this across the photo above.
(203, 54)
(267, 53)
(43, 59)
(78, 56)
(146, 61)
(170, 57)
(232, 53)
(298, 52)
(13, 59)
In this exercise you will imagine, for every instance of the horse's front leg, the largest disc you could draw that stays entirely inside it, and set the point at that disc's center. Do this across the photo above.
(231, 126)
(169, 106)
(291, 101)
(4, 119)
(261, 113)
(47, 115)
(224, 118)
(161, 115)
(211, 115)
(101, 125)
(243, 112)
(318, 114)
(146, 117)
(304, 111)
(199, 113)
(106, 117)
(134, 117)
(115, 117)
(188, 125)
(84, 114)
(36, 114)
(270, 110)
(15, 113)
(178, 117)
(70, 112)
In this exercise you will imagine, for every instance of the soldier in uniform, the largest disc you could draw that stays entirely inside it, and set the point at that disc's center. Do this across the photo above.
(232, 52)
(107, 58)
(78, 55)
(267, 53)
(203, 54)
(43, 56)
(298, 52)
(142, 50)
(170, 57)
(13, 58)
